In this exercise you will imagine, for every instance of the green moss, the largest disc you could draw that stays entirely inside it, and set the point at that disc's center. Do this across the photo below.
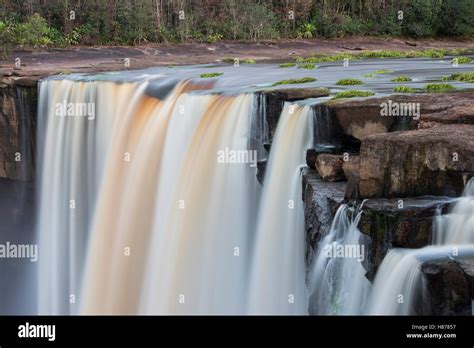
(463, 60)
(287, 65)
(249, 61)
(295, 81)
(404, 89)
(308, 66)
(349, 82)
(401, 78)
(462, 77)
(228, 60)
(429, 53)
(209, 75)
(438, 87)
(353, 94)
(378, 72)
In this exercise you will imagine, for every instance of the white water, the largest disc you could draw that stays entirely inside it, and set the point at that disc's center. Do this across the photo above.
(457, 227)
(277, 283)
(338, 284)
(398, 287)
(158, 225)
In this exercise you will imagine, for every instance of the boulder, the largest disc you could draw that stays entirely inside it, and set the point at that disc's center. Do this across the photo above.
(330, 167)
(433, 161)
(404, 223)
(447, 288)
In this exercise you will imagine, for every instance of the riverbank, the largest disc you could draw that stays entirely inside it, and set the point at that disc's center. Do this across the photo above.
(43, 62)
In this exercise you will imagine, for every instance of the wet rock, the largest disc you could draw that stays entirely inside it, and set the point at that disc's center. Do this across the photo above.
(261, 169)
(17, 132)
(433, 161)
(329, 167)
(321, 201)
(275, 98)
(404, 223)
(447, 288)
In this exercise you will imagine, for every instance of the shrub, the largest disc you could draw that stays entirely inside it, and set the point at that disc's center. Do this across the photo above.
(349, 82)
(353, 94)
(401, 78)
(462, 60)
(404, 89)
(462, 77)
(308, 66)
(438, 87)
(287, 65)
(209, 75)
(295, 81)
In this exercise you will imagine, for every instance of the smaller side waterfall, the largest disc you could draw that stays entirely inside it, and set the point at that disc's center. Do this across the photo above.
(336, 277)
(399, 286)
(457, 227)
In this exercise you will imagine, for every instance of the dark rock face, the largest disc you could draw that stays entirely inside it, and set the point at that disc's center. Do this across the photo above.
(433, 161)
(18, 112)
(330, 167)
(275, 99)
(403, 223)
(448, 288)
(322, 199)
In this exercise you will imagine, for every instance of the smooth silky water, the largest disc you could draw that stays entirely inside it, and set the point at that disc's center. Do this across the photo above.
(137, 215)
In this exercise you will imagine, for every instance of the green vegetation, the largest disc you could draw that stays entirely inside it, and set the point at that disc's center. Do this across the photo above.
(295, 81)
(462, 77)
(126, 22)
(463, 60)
(402, 78)
(209, 75)
(287, 65)
(377, 72)
(349, 82)
(438, 87)
(353, 94)
(404, 89)
(249, 61)
(308, 66)
(430, 53)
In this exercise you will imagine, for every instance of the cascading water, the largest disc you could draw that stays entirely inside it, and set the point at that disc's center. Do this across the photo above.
(336, 277)
(150, 205)
(399, 286)
(277, 283)
(457, 227)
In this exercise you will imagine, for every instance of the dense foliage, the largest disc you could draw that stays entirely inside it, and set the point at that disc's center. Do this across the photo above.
(132, 22)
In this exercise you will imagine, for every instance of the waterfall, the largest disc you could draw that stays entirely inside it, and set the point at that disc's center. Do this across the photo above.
(150, 204)
(457, 227)
(277, 284)
(337, 281)
(399, 286)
